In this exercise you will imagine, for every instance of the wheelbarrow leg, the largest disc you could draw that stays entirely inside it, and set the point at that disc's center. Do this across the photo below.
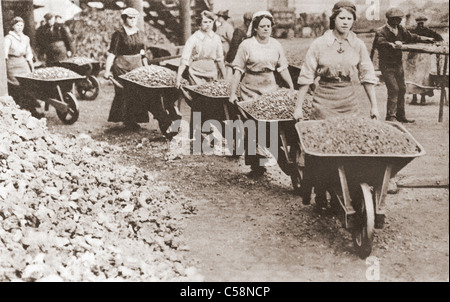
(346, 208)
(380, 197)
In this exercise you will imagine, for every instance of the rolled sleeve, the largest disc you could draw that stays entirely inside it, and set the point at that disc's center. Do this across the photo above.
(282, 62)
(187, 51)
(219, 53)
(309, 67)
(240, 60)
(365, 67)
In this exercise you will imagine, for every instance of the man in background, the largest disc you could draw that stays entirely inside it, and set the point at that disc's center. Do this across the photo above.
(225, 31)
(388, 41)
(419, 65)
(239, 35)
(54, 41)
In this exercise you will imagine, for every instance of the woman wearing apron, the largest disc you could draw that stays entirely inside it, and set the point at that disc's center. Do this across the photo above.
(258, 58)
(126, 52)
(337, 57)
(19, 60)
(203, 53)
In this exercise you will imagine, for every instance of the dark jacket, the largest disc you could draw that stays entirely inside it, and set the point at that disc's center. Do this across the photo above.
(239, 35)
(45, 36)
(387, 55)
(427, 32)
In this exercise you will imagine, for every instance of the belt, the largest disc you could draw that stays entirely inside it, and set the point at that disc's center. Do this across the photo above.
(336, 79)
(14, 56)
(259, 72)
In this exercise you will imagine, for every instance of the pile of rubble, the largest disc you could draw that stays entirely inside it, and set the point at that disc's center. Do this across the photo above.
(68, 212)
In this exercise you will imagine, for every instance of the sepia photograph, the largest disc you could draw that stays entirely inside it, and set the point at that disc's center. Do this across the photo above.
(208, 143)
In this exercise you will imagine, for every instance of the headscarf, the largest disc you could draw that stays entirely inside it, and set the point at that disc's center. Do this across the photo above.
(255, 15)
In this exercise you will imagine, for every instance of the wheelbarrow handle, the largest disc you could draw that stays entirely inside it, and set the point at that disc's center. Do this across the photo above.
(115, 82)
(186, 95)
(241, 111)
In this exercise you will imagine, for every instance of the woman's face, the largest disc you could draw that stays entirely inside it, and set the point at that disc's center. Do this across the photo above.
(207, 24)
(344, 22)
(132, 21)
(264, 29)
(18, 27)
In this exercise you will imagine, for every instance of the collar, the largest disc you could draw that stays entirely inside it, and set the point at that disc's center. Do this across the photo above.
(393, 30)
(15, 35)
(202, 35)
(330, 37)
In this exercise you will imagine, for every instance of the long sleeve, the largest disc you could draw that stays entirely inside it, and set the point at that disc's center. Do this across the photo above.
(309, 67)
(29, 53)
(187, 51)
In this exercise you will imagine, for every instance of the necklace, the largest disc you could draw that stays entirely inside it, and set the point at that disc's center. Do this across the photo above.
(340, 50)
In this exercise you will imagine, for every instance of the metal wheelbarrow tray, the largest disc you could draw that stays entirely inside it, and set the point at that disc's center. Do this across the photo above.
(288, 143)
(357, 184)
(215, 108)
(89, 88)
(55, 92)
(160, 101)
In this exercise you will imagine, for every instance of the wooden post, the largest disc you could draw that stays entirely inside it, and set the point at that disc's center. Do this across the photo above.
(3, 79)
(185, 20)
(28, 17)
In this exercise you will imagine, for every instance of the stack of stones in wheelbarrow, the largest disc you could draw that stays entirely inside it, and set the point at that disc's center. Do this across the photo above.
(79, 60)
(153, 76)
(356, 136)
(54, 73)
(278, 105)
(70, 212)
(216, 88)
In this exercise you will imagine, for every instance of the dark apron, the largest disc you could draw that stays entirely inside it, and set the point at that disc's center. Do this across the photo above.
(56, 52)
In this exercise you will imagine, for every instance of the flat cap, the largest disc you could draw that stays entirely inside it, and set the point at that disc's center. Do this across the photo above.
(131, 12)
(394, 13)
(421, 18)
(223, 13)
(48, 16)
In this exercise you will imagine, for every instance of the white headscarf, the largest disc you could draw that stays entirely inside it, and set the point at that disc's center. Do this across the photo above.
(257, 14)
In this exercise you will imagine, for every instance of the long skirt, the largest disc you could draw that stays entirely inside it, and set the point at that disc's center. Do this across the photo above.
(126, 106)
(252, 86)
(16, 66)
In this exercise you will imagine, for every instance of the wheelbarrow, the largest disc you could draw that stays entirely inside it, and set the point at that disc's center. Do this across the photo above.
(89, 88)
(357, 185)
(288, 144)
(55, 92)
(215, 108)
(161, 102)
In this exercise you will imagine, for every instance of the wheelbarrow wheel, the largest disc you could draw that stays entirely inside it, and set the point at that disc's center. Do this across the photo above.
(363, 231)
(89, 88)
(70, 116)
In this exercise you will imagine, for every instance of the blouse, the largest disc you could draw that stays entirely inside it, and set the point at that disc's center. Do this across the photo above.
(329, 58)
(256, 57)
(202, 46)
(18, 45)
(123, 44)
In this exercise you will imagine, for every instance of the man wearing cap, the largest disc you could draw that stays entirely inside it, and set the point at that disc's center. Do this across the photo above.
(388, 41)
(419, 65)
(239, 35)
(224, 30)
(54, 41)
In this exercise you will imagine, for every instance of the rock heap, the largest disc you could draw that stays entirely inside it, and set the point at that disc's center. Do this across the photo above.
(68, 212)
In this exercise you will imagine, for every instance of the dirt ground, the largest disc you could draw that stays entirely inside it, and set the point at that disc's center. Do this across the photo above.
(249, 229)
